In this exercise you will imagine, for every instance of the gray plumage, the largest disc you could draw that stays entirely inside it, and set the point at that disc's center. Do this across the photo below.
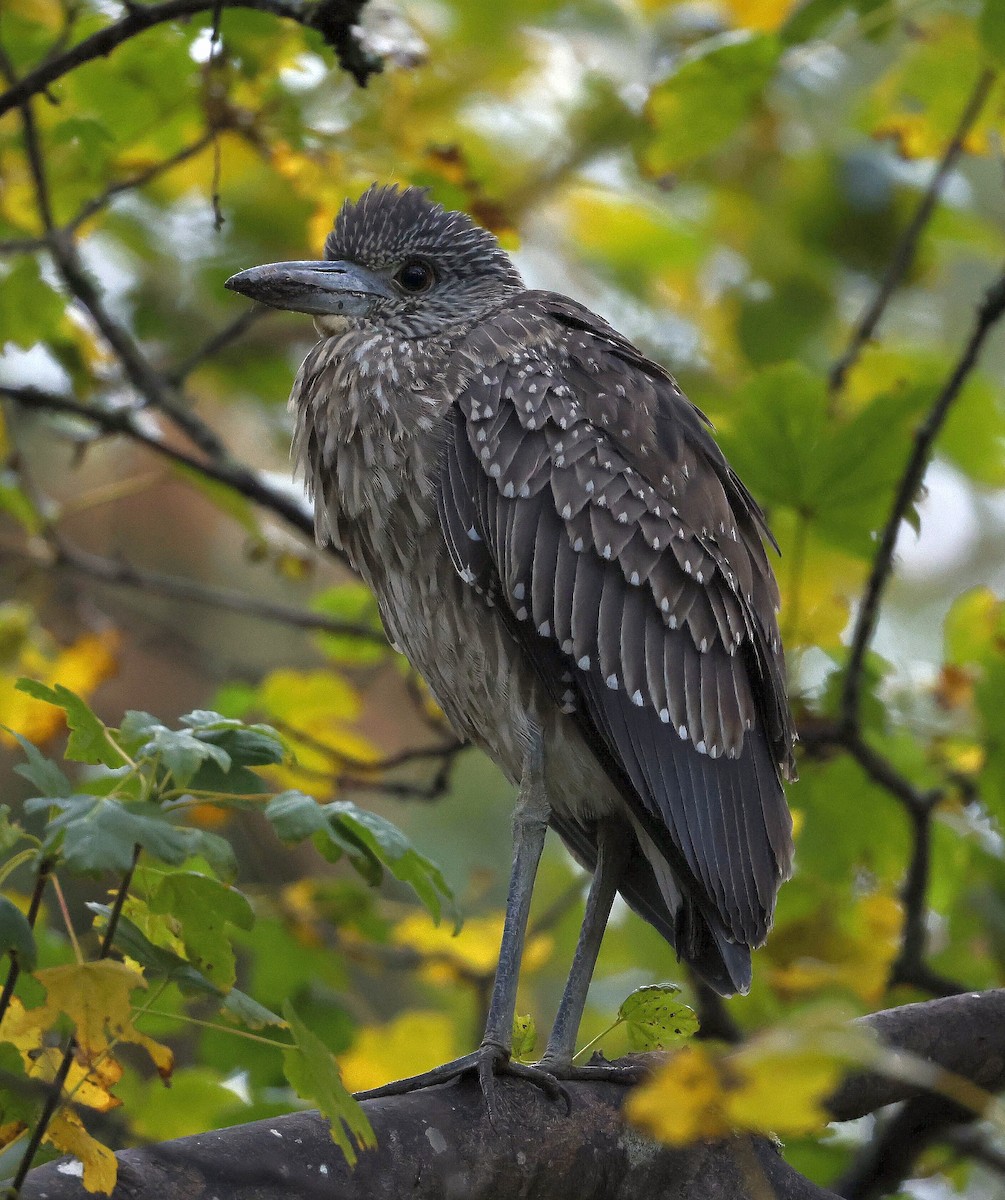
(556, 542)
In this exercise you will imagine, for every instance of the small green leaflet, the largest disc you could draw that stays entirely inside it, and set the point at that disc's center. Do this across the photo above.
(371, 842)
(204, 906)
(524, 1036)
(314, 1075)
(655, 1019)
(40, 771)
(89, 741)
(97, 833)
(156, 962)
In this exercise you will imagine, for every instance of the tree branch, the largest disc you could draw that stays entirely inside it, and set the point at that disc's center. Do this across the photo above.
(29, 245)
(440, 1142)
(989, 313)
(904, 253)
(116, 572)
(335, 20)
(130, 421)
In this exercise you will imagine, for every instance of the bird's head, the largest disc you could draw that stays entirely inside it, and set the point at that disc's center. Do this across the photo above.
(394, 258)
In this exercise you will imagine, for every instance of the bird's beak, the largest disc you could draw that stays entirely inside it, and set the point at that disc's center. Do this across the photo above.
(320, 288)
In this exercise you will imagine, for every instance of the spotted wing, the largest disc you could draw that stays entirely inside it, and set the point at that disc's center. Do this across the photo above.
(583, 494)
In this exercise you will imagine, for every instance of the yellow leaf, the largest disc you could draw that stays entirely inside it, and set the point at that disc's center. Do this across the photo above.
(473, 950)
(11, 1132)
(783, 1092)
(413, 1042)
(96, 998)
(22, 1028)
(775, 1083)
(763, 15)
(67, 1133)
(26, 649)
(849, 946)
(684, 1100)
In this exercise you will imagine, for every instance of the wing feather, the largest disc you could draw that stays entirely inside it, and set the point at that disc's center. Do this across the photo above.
(630, 559)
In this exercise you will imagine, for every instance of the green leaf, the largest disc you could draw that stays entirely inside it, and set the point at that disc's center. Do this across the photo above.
(524, 1036)
(371, 842)
(808, 18)
(158, 962)
(655, 1019)
(182, 752)
(707, 99)
(11, 832)
(992, 29)
(89, 741)
(17, 1103)
(30, 310)
(17, 503)
(388, 844)
(40, 771)
(314, 1075)
(136, 728)
(295, 816)
(96, 833)
(16, 936)
(203, 907)
(247, 745)
(773, 443)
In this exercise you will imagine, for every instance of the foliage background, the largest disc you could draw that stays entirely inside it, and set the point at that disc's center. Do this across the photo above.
(731, 184)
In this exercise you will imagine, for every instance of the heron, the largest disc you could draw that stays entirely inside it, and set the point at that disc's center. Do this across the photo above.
(559, 547)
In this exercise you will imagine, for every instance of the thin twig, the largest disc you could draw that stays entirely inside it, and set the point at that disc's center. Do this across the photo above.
(97, 203)
(51, 1104)
(216, 342)
(118, 573)
(116, 912)
(41, 879)
(989, 313)
(905, 250)
(149, 383)
(234, 474)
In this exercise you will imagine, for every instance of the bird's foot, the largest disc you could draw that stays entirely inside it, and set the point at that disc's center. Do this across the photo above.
(598, 1069)
(488, 1061)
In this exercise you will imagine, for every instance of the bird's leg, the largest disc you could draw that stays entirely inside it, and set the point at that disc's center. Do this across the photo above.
(530, 824)
(613, 848)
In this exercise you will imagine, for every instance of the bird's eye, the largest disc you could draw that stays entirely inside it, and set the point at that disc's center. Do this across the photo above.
(414, 276)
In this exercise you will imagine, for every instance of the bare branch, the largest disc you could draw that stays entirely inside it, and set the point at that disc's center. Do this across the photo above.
(989, 313)
(216, 342)
(138, 425)
(118, 573)
(904, 253)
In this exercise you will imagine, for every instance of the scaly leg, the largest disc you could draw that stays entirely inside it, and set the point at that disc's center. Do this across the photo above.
(530, 824)
(613, 848)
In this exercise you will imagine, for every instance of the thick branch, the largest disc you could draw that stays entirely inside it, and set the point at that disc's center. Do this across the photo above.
(440, 1142)
(334, 20)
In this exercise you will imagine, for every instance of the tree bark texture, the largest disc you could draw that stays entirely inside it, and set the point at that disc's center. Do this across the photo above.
(439, 1143)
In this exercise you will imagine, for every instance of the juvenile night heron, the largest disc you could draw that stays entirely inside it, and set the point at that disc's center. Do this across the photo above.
(561, 550)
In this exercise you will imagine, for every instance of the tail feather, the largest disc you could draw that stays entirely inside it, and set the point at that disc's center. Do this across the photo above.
(649, 889)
